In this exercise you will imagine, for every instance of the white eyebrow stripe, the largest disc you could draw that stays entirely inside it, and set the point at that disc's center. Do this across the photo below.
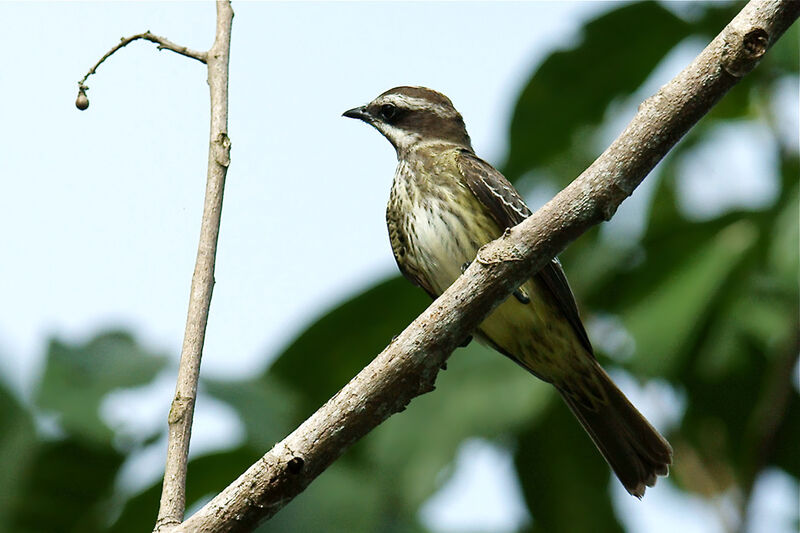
(419, 104)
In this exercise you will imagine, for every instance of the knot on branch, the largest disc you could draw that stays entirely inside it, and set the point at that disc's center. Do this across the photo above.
(742, 53)
(491, 254)
(295, 465)
(180, 406)
(165, 524)
(609, 202)
(223, 149)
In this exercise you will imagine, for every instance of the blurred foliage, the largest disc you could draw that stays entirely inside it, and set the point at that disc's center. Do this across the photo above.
(571, 89)
(63, 480)
(710, 305)
(85, 374)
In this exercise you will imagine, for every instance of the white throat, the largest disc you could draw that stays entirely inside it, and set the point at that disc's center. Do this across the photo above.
(402, 140)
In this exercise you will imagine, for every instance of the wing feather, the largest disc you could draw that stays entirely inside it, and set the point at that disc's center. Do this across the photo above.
(508, 209)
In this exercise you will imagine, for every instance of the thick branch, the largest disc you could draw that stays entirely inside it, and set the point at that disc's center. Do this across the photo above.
(173, 493)
(409, 365)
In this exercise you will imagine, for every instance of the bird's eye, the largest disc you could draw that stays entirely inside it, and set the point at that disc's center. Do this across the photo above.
(388, 112)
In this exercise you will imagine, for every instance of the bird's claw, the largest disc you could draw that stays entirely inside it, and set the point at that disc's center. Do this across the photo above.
(522, 296)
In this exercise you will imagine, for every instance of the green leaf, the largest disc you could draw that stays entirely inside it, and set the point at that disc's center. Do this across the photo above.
(727, 413)
(17, 446)
(784, 57)
(666, 317)
(266, 406)
(84, 374)
(785, 455)
(481, 393)
(572, 88)
(714, 16)
(67, 487)
(344, 499)
(782, 254)
(207, 476)
(564, 478)
(338, 345)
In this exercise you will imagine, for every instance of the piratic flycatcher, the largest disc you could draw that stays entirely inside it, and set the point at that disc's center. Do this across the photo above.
(445, 204)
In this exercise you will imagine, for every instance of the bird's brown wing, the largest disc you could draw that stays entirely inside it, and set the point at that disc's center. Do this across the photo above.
(508, 209)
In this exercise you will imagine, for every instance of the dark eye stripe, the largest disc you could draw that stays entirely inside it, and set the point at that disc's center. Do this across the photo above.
(388, 112)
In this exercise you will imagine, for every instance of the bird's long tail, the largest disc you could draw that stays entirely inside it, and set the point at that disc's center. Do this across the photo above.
(636, 452)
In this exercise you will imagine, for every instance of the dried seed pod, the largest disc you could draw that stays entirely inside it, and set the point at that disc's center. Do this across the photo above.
(82, 102)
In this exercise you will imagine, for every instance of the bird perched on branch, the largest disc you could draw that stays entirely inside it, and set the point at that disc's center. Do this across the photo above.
(445, 204)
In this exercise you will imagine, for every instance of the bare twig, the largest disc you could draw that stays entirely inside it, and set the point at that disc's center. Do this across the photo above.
(82, 102)
(409, 365)
(173, 496)
(162, 42)
(173, 492)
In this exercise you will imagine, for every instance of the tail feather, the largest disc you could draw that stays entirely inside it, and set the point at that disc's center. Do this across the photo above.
(636, 452)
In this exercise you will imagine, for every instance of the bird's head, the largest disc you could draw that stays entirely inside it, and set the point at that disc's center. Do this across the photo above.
(411, 116)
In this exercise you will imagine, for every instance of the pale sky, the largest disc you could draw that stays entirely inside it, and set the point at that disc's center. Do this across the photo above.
(101, 208)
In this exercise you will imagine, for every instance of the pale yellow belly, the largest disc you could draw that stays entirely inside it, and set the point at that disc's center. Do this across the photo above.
(536, 334)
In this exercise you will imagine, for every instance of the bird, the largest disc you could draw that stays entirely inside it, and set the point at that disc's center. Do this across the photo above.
(445, 203)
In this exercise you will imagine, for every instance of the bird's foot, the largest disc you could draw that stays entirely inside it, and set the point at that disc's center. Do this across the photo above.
(522, 296)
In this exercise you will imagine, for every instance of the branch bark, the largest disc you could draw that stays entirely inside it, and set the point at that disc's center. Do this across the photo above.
(409, 365)
(173, 491)
(82, 102)
(162, 42)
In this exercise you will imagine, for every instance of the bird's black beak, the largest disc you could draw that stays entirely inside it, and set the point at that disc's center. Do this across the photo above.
(358, 112)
